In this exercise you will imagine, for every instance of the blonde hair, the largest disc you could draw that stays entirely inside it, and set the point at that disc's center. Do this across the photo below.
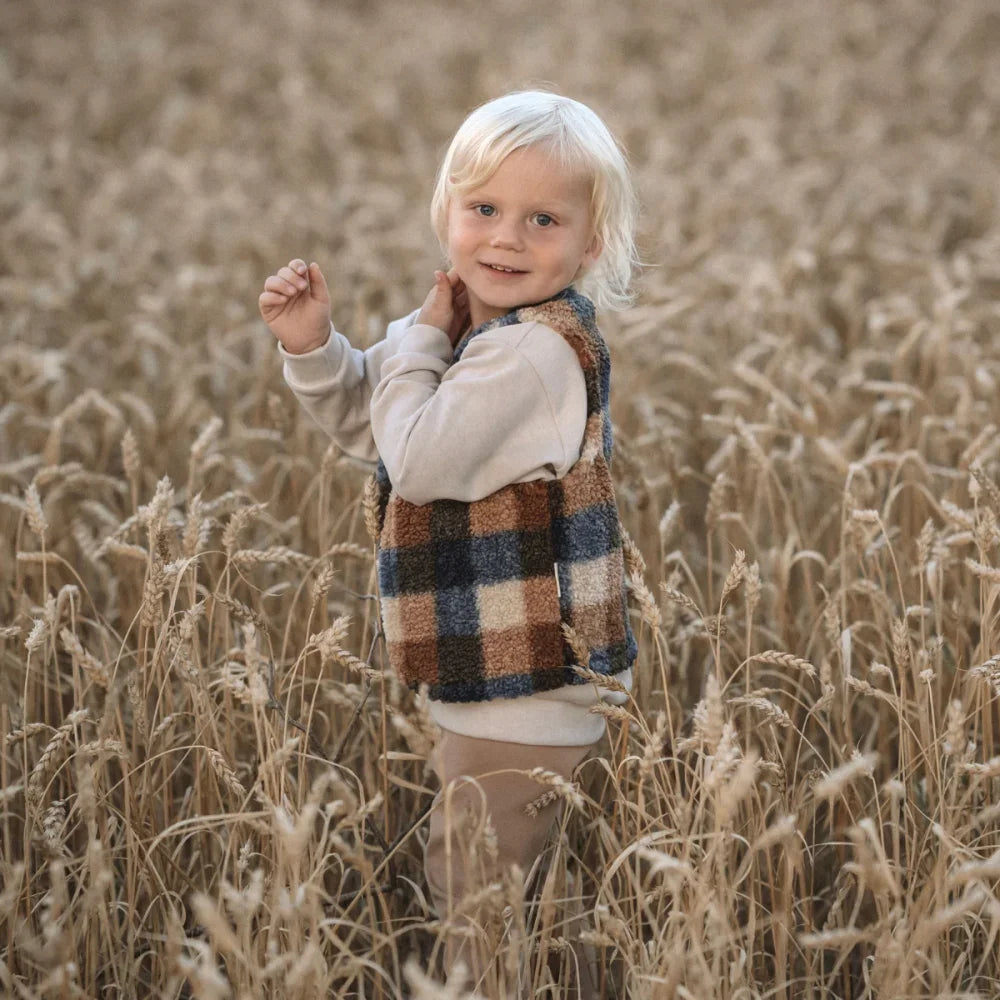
(577, 138)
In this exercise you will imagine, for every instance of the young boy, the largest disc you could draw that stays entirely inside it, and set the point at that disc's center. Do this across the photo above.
(487, 412)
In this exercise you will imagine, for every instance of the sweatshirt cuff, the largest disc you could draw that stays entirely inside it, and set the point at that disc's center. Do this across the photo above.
(313, 366)
(421, 338)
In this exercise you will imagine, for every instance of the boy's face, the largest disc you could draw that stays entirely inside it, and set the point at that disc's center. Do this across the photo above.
(522, 236)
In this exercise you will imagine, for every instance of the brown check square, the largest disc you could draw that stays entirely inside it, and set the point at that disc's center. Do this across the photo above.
(497, 512)
(407, 524)
(416, 661)
(506, 652)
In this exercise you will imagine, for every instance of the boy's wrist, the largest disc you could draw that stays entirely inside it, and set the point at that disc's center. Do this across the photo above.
(306, 349)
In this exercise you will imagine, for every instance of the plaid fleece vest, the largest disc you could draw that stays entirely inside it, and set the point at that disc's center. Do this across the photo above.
(472, 594)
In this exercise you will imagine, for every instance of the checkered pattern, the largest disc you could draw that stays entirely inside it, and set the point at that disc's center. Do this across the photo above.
(472, 594)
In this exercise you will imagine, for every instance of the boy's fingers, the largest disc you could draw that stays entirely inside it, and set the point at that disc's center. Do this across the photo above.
(319, 282)
(298, 265)
(294, 278)
(279, 285)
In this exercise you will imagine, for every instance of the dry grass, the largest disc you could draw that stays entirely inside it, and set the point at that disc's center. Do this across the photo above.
(209, 787)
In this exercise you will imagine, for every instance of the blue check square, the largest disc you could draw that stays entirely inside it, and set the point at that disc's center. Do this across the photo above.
(497, 557)
(457, 611)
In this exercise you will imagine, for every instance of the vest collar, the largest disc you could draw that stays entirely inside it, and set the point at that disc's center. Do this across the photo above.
(509, 318)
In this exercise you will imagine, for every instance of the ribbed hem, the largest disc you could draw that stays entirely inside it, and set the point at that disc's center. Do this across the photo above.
(550, 718)
(304, 370)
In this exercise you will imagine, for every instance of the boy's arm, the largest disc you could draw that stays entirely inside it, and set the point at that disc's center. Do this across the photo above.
(335, 382)
(514, 408)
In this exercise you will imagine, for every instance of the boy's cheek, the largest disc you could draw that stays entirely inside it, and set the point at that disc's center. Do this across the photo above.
(463, 271)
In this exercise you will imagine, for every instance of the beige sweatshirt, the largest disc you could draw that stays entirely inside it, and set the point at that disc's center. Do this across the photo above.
(512, 409)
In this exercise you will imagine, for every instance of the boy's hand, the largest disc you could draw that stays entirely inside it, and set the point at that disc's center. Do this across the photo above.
(295, 304)
(447, 305)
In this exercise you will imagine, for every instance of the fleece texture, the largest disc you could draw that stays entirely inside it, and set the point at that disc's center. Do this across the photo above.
(473, 594)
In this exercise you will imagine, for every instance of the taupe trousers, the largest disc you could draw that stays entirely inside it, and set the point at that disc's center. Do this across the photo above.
(462, 862)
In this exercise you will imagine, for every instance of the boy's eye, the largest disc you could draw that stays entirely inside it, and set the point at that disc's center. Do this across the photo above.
(486, 210)
(541, 219)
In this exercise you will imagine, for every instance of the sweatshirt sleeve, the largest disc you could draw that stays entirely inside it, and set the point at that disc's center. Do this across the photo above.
(334, 383)
(512, 409)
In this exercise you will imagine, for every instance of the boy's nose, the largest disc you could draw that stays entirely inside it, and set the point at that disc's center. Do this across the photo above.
(506, 238)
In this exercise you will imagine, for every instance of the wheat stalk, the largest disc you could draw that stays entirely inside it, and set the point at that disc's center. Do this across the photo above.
(777, 658)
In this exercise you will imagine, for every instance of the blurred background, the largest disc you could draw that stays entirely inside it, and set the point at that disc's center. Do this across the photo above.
(160, 158)
(809, 376)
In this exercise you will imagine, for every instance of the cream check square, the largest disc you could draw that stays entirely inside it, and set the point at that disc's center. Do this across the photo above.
(391, 622)
(589, 581)
(501, 605)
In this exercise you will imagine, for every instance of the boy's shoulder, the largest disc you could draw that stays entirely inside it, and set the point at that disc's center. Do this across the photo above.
(569, 315)
(573, 317)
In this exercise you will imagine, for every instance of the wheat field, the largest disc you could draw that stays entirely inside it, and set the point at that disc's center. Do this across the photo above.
(211, 788)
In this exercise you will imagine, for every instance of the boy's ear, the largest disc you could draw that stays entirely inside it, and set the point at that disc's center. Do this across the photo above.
(594, 250)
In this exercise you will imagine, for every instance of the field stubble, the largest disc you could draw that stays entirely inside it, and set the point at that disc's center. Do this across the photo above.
(211, 787)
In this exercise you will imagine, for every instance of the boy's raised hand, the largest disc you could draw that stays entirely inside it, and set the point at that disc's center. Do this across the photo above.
(295, 304)
(447, 305)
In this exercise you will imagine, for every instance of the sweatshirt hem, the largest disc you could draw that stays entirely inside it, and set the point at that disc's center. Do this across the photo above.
(560, 717)
(313, 368)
